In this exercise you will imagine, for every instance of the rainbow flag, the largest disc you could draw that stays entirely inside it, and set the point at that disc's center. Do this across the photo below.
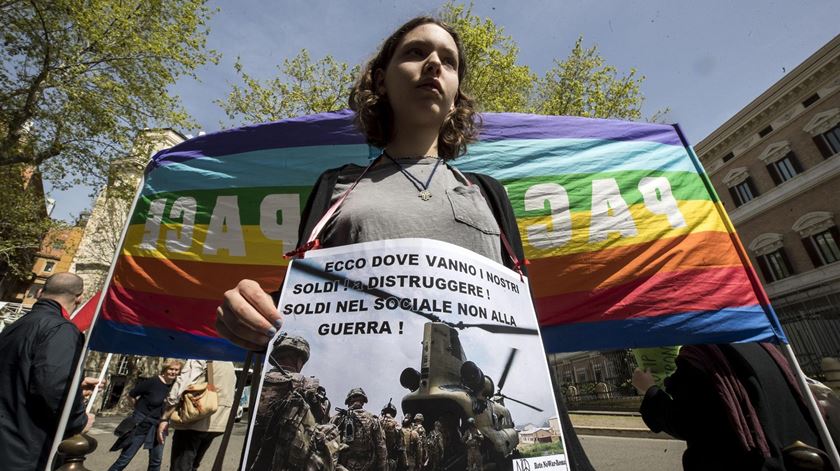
(628, 243)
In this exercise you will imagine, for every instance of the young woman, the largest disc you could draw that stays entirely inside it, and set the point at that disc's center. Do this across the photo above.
(148, 397)
(408, 101)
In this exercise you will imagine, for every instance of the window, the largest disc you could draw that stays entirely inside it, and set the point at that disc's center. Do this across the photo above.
(581, 376)
(48, 267)
(599, 372)
(765, 131)
(811, 100)
(774, 265)
(33, 291)
(740, 185)
(829, 142)
(784, 169)
(728, 157)
(819, 236)
(823, 247)
(58, 244)
(743, 192)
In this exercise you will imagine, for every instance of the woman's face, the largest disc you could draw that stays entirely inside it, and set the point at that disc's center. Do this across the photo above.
(421, 80)
(172, 372)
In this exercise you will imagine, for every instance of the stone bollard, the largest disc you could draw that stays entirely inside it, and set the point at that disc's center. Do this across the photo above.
(74, 449)
(831, 369)
(572, 393)
(602, 391)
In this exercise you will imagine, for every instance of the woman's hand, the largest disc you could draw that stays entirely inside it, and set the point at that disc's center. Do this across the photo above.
(163, 427)
(248, 316)
(642, 380)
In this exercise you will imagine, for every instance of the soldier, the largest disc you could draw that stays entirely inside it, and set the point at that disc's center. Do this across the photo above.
(393, 437)
(421, 433)
(472, 439)
(292, 429)
(435, 447)
(361, 434)
(411, 446)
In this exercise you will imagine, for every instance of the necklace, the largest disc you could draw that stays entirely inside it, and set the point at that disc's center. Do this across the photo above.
(422, 188)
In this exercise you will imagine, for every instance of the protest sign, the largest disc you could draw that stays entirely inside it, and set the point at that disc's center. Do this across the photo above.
(433, 328)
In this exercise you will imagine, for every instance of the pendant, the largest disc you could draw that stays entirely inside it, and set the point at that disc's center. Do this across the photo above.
(425, 195)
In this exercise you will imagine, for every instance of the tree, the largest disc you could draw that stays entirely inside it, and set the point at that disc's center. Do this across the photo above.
(494, 78)
(583, 85)
(78, 80)
(301, 88)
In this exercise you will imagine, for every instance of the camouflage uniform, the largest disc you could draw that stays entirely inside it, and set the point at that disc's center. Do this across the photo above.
(291, 431)
(472, 439)
(362, 437)
(435, 448)
(411, 447)
(393, 441)
(421, 434)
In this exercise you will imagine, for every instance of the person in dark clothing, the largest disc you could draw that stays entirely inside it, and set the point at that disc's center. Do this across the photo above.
(38, 357)
(148, 410)
(409, 102)
(737, 406)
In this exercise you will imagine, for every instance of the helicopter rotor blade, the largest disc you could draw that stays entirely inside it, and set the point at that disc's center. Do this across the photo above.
(520, 402)
(506, 369)
(498, 329)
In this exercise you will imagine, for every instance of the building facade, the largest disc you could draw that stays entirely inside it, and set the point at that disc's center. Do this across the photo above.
(776, 168)
(56, 255)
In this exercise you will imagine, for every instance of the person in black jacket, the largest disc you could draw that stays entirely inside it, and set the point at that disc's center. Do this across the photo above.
(737, 406)
(409, 102)
(38, 357)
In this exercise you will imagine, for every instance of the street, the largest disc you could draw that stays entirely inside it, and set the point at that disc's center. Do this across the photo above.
(606, 453)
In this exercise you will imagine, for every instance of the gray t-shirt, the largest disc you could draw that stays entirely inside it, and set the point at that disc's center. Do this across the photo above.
(385, 205)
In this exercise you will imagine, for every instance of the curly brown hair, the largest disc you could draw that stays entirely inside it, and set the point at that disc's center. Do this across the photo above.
(375, 117)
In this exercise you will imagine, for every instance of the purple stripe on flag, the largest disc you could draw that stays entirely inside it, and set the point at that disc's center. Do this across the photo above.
(337, 128)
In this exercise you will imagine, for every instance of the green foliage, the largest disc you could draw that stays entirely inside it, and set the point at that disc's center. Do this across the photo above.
(79, 79)
(23, 223)
(583, 85)
(302, 87)
(494, 79)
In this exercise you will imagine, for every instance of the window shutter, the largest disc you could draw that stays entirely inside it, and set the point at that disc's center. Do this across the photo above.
(795, 162)
(734, 194)
(764, 269)
(812, 251)
(823, 146)
(786, 260)
(753, 190)
(774, 173)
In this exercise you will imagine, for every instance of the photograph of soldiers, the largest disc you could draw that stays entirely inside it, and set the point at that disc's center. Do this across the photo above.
(363, 443)
(435, 447)
(393, 437)
(292, 429)
(412, 446)
(417, 426)
(472, 439)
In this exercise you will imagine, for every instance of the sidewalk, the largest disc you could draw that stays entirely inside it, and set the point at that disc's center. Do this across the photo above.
(612, 424)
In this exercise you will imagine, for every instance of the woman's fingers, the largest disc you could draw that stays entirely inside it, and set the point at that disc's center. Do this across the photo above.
(258, 344)
(248, 316)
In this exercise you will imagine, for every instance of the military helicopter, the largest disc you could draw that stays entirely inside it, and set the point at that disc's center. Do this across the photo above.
(452, 389)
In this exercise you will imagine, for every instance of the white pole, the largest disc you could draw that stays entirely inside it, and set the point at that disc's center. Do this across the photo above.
(825, 436)
(77, 376)
(101, 377)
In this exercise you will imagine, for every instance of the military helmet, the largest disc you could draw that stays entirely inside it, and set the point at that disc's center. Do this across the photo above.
(471, 421)
(355, 392)
(286, 343)
(390, 408)
(418, 418)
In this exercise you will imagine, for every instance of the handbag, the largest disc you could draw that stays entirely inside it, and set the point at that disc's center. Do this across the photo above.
(198, 401)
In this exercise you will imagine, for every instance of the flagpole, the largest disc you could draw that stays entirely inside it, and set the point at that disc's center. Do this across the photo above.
(813, 408)
(77, 376)
(101, 377)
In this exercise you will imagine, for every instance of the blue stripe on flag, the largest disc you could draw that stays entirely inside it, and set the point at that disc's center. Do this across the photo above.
(113, 337)
(730, 325)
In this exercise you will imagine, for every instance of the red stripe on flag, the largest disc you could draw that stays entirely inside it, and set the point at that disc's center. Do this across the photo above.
(661, 294)
(189, 315)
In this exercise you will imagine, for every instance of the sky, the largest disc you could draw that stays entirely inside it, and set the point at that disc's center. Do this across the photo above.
(702, 60)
